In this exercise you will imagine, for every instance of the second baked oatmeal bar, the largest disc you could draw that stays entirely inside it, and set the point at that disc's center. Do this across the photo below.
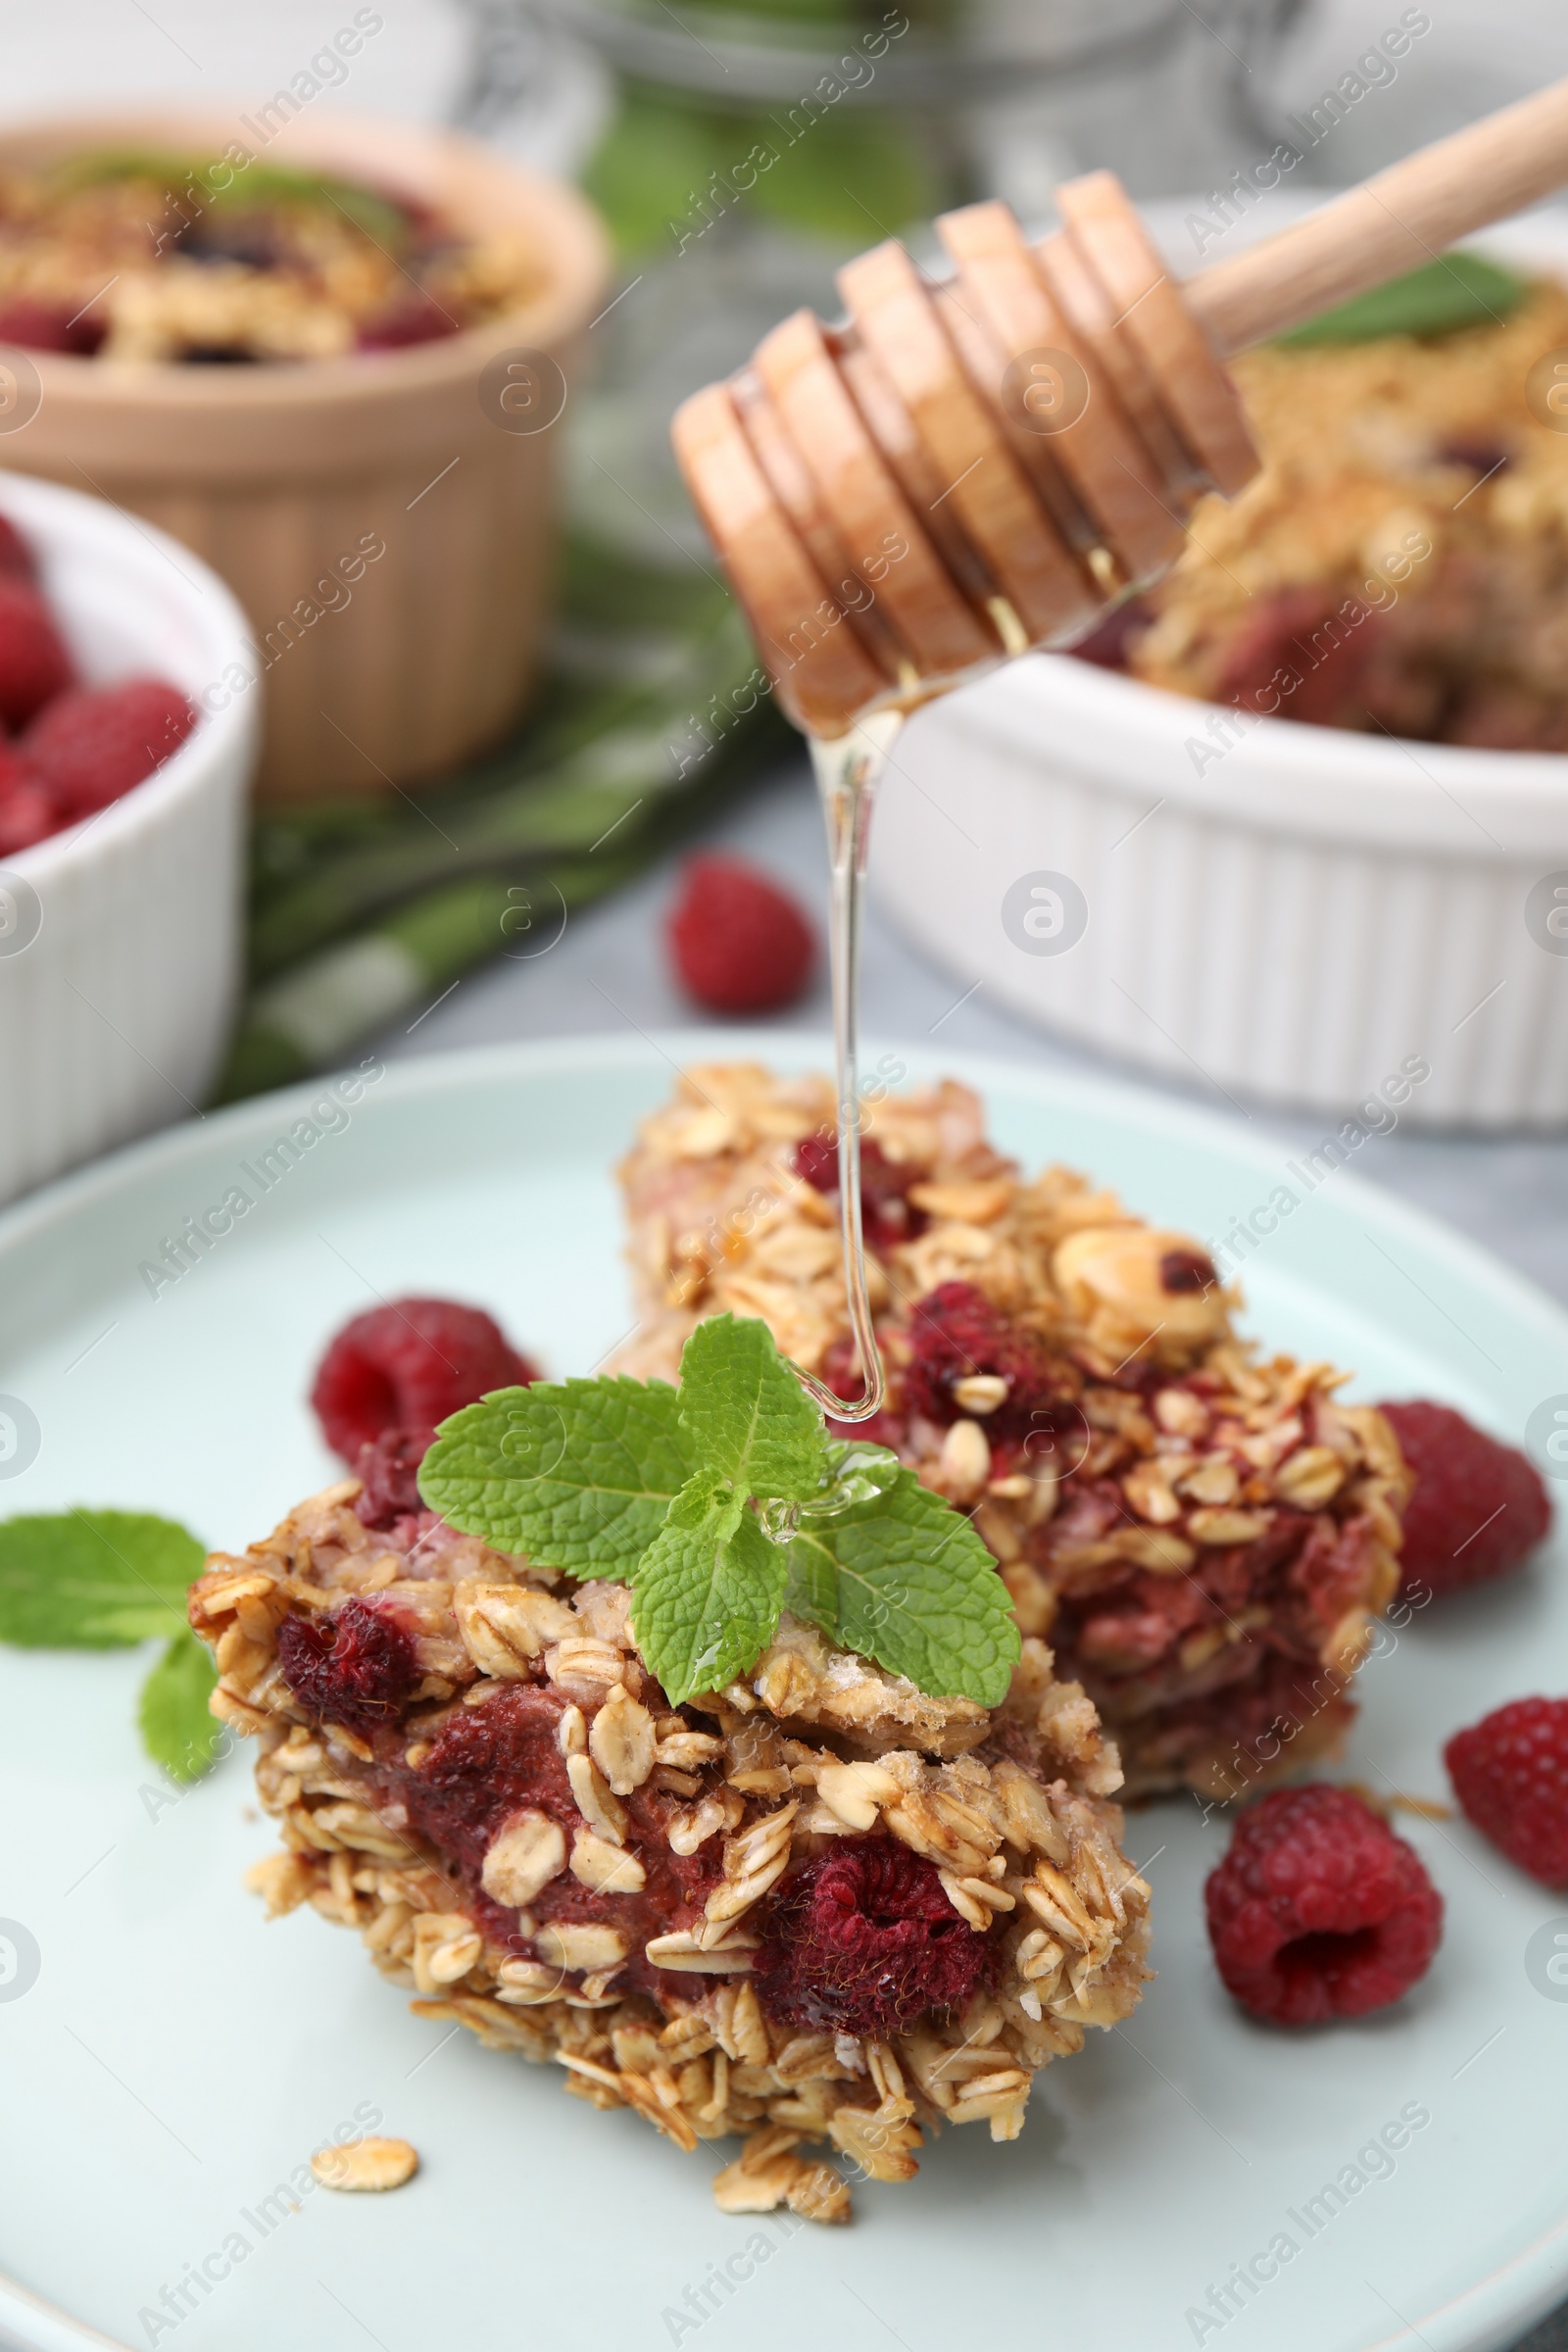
(1204, 1534)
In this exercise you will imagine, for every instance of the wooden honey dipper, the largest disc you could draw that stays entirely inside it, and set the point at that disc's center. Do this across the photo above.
(963, 470)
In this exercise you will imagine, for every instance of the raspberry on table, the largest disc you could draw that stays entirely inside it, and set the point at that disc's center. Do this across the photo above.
(863, 1940)
(1318, 1911)
(95, 742)
(1510, 1775)
(739, 943)
(406, 1366)
(34, 663)
(1479, 1508)
(353, 1665)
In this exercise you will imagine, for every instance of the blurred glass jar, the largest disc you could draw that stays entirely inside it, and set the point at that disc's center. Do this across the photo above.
(750, 149)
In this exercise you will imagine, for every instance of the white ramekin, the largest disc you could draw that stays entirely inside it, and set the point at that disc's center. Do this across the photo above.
(1293, 921)
(119, 940)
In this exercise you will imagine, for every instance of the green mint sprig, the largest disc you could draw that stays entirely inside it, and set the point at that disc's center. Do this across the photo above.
(720, 1504)
(106, 1580)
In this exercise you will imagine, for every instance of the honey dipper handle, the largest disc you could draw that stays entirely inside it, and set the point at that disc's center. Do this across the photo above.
(1392, 223)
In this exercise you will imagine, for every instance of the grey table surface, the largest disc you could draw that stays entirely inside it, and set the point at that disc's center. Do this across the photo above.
(610, 973)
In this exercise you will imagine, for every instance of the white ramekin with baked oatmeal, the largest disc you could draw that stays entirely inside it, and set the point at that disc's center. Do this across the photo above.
(1298, 818)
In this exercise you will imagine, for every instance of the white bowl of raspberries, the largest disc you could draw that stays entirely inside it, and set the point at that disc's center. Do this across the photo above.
(125, 756)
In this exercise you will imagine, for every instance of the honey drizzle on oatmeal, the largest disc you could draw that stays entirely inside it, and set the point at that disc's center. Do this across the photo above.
(849, 769)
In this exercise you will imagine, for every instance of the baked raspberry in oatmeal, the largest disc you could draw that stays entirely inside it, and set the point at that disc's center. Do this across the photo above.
(817, 1908)
(1204, 1533)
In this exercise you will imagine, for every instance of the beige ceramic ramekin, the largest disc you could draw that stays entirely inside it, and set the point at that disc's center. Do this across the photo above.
(379, 668)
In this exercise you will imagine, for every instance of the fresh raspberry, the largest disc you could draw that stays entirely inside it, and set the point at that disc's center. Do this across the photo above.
(354, 1666)
(1510, 1773)
(1478, 1507)
(739, 943)
(955, 1332)
(388, 1471)
(28, 813)
(15, 556)
(406, 1367)
(34, 666)
(861, 1939)
(1318, 1911)
(95, 743)
(886, 1215)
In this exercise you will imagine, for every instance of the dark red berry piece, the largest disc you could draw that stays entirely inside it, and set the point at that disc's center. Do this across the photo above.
(1510, 1773)
(34, 665)
(388, 1471)
(484, 1763)
(49, 327)
(1111, 643)
(1479, 1508)
(28, 813)
(93, 744)
(419, 320)
(406, 1367)
(354, 1666)
(15, 556)
(1294, 655)
(1318, 1911)
(1186, 1272)
(886, 1214)
(739, 943)
(955, 1332)
(861, 1939)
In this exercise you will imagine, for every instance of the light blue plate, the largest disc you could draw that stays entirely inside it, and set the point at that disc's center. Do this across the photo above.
(176, 2060)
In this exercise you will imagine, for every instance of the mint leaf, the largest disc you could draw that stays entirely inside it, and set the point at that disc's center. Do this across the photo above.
(176, 1728)
(1455, 290)
(93, 1580)
(577, 1474)
(902, 1578)
(746, 1414)
(706, 1595)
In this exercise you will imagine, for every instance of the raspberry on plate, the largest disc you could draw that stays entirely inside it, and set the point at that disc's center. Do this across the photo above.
(34, 666)
(1510, 1773)
(1479, 1508)
(1318, 1911)
(404, 1367)
(94, 743)
(739, 943)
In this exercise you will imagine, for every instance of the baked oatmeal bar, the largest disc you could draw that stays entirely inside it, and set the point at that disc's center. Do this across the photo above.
(817, 1909)
(1204, 1534)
